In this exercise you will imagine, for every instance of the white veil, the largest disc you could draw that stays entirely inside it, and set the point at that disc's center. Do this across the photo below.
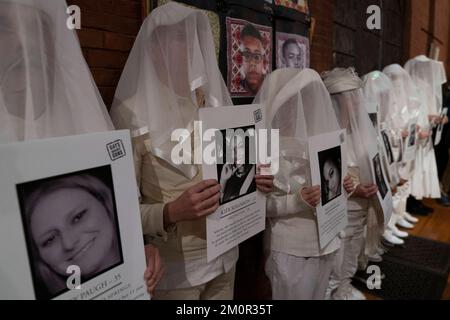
(299, 106)
(46, 89)
(172, 70)
(405, 92)
(348, 100)
(349, 103)
(429, 75)
(379, 90)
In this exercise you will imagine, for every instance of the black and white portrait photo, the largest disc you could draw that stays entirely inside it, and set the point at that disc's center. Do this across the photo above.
(330, 163)
(388, 147)
(70, 220)
(235, 170)
(400, 151)
(292, 51)
(374, 118)
(382, 187)
(412, 135)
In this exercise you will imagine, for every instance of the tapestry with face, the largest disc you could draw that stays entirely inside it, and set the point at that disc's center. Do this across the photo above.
(300, 5)
(249, 55)
(292, 51)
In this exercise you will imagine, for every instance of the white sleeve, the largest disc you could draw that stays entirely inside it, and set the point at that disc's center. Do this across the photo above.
(281, 204)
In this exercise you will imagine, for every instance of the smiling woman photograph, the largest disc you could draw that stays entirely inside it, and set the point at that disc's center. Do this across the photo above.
(70, 220)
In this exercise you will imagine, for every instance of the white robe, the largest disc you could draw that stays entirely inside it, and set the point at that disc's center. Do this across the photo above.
(428, 76)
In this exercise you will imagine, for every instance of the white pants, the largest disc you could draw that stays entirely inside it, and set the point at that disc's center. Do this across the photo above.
(220, 288)
(295, 278)
(400, 200)
(346, 262)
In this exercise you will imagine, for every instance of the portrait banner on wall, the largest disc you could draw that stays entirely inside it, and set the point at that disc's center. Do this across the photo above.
(292, 51)
(229, 139)
(70, 212)
(249, 56)
(328, 159)
(300, 5)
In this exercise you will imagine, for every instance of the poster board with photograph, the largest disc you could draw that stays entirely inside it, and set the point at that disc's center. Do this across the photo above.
(232, 135)
(328, 160)
(374, 115)
(384, 194)
(440, 128)
(69, 220)
(410, 144)
(292, 51)
(391, 161)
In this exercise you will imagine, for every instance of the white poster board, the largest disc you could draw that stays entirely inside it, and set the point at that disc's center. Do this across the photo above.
(389, 156)
(384, 194)
(242, 210)
(440, 128)
(328, 160)
(410, 144)
(70, 227)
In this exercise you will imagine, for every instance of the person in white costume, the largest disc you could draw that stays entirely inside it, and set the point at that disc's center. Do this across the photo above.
(348, 100)
(429, 76)
(378, 91)
(394, 117)
(299, 106)
(171, 72)
(407, 113)
(46, 88)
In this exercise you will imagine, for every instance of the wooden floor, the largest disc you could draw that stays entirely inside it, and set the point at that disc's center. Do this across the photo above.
(434, 227)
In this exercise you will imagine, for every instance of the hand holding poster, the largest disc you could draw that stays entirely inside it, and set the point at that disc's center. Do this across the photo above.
(74, 231)
(440, 128)
(232, 162)
(328, 158)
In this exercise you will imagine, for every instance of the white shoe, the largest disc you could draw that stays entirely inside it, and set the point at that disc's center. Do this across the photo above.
(399, 234)
(402, 222)
(375, 258)
(381, 251)
(408, 217)
(348, 293)
(389, 237)
(357, 295)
